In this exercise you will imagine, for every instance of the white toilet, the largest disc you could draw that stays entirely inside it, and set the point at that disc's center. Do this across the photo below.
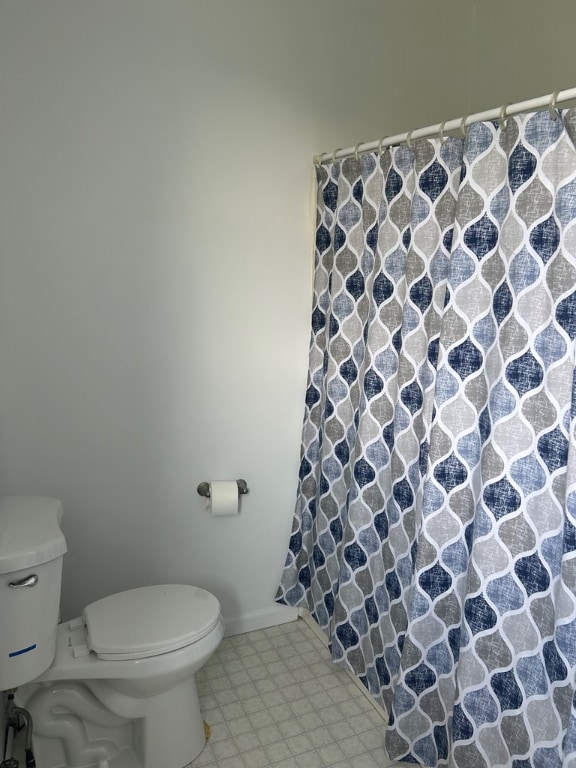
(115, 687)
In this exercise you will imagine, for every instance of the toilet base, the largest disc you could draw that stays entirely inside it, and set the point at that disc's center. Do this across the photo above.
(92, 725)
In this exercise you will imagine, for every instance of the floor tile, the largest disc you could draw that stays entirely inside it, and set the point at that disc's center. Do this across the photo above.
(274, 699)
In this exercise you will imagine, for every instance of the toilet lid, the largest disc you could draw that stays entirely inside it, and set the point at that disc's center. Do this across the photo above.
(149, 620)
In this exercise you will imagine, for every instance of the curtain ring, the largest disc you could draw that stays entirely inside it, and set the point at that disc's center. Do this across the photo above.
(409, 138)
(356, 150)
(502, 119)
(382, 140)
(463, 126)
(552, 106)
(442, 139)
(334, 155)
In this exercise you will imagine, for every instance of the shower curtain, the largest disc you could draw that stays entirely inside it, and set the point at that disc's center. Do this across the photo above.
(434, 537)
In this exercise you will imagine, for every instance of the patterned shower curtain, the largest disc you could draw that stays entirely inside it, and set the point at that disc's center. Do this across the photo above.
(434, 537)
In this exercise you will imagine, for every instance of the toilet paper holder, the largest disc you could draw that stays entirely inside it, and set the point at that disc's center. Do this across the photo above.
(204, 488)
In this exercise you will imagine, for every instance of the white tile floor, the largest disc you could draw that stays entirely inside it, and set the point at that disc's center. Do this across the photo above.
(273, 698)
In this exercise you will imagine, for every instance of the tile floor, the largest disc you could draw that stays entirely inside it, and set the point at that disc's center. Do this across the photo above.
(273, 699)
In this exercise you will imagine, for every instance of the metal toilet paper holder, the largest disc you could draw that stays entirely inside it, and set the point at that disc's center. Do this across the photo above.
(204, 488)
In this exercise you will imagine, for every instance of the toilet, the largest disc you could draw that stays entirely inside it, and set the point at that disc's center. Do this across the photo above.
(114, 687)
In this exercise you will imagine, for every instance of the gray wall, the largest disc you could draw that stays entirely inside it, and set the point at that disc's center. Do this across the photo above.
(156, 249)
(522, 49)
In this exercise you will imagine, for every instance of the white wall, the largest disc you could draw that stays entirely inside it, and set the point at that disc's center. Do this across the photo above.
(155, 259)
(522, 49)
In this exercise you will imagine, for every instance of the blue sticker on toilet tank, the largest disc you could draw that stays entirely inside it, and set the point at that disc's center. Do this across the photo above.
(21, 651)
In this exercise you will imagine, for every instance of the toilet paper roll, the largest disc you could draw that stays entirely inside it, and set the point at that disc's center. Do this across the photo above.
(224, 498)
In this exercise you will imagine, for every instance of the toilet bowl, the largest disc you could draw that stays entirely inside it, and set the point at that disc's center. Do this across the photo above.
(121, 690)
(115, 687)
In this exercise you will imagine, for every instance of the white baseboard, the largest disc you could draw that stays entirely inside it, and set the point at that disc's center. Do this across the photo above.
(306, 616)
(265, 617)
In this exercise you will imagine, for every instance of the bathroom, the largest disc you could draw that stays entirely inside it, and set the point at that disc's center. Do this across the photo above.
(156, 228)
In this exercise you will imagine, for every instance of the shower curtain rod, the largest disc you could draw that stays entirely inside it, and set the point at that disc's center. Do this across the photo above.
(500, 113)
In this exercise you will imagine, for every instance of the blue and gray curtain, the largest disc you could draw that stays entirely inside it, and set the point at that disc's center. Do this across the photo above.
(434, 538)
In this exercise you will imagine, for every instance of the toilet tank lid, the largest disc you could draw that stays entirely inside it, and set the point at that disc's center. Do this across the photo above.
(29, 532)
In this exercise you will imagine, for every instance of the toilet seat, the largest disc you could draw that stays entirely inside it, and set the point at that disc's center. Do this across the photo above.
(149, 621)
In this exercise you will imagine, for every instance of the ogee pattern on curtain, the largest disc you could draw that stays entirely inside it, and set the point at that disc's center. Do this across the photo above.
(434, 535)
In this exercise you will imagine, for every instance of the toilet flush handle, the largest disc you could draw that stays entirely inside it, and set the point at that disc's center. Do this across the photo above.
(29, 581)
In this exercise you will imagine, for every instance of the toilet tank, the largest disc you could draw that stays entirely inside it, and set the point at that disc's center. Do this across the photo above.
(31, 550)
